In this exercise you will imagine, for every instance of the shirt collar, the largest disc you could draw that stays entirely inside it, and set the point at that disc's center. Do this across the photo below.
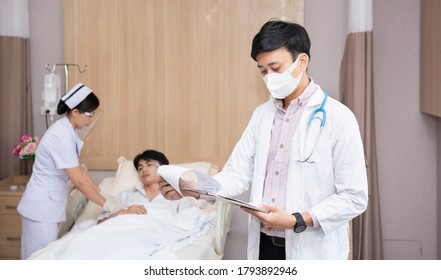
(141, 189)
(65, 121)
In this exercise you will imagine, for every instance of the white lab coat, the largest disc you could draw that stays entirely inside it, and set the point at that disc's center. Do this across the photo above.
(334, 189)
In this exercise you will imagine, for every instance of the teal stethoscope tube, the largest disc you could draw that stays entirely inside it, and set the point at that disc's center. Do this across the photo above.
(322, 110)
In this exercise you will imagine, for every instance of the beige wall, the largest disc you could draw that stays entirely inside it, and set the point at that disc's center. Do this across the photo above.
(175, 76)
(406, 139)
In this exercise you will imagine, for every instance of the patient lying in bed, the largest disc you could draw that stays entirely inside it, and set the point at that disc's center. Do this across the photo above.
(151, 227)
(146, 164)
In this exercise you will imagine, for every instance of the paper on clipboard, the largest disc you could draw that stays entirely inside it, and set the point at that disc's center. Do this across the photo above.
(178, 177)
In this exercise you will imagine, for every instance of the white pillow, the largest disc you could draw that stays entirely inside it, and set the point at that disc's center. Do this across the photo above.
(126, 176)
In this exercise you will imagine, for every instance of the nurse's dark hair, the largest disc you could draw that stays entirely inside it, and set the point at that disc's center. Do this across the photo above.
(149, 155)
(276, 34)
(89, 104)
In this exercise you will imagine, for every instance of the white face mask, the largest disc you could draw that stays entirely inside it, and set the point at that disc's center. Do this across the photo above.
(282, 85)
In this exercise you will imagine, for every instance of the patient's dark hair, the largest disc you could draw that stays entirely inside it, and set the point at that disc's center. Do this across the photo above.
(149, 155)
(89, 104)
(277, 34)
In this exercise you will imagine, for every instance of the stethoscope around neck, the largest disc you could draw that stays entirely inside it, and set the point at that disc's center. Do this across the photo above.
(322, 110)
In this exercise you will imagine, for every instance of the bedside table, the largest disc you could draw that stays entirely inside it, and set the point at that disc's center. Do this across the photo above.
(11, 190)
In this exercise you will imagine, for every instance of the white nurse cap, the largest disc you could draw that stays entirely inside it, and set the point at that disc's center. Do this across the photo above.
(77, 94)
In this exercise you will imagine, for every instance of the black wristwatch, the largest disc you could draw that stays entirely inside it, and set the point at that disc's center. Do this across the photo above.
(300, 223)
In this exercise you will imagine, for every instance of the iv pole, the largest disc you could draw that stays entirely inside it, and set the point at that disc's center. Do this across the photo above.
(66, 71)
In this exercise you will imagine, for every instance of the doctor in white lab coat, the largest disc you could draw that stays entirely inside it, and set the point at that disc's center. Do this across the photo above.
(333, 188)
(301, 154)
(43, 204)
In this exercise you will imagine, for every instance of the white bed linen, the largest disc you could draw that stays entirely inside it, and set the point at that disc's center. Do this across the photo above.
(157, 235)
(208, 246)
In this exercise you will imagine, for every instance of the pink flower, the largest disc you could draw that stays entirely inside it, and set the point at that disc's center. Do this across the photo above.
(25, 138)
(30, 148)
(27, 147)
(16, 150)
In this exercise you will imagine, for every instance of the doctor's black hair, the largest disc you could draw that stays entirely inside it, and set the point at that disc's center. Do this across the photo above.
(89, 104)
(276, 34)
(149, 155)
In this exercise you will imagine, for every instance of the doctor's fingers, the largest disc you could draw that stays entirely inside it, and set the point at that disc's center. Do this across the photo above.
(170, 193)
(278, 219)
(264, 218)
(165, 187)
(269, 219)
(259, 215)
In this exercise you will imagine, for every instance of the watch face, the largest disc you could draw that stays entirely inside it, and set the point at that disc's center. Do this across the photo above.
(299, 228)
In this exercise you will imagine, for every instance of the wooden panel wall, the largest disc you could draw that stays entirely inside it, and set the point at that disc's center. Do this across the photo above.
(171, 75)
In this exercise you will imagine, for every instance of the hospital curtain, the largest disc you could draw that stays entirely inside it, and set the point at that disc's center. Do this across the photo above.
(356, 86)
(15, 95)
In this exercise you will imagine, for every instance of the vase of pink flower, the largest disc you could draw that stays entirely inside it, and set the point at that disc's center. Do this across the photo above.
(26, 148)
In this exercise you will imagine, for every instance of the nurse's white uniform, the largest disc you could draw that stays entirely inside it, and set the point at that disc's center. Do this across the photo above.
(43, 204)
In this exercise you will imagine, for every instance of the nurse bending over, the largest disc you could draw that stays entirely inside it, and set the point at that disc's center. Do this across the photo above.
(43, 204)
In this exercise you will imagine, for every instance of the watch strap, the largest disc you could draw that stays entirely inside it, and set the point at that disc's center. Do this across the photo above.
(300, 224)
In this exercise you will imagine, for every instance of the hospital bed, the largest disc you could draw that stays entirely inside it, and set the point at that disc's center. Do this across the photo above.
(209, 246)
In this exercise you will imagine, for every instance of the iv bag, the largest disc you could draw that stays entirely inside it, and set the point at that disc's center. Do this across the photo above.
(51, 94)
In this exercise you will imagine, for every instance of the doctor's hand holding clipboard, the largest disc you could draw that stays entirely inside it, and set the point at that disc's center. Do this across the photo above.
(180, 181)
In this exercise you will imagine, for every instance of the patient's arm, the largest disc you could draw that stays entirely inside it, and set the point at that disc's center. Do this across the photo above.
(134, 209)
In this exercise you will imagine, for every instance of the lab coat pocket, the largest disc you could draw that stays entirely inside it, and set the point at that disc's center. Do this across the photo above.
(315, 245)
(57, 196)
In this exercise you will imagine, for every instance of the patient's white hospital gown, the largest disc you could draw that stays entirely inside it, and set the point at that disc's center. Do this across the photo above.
(168, 226)
(137, 195)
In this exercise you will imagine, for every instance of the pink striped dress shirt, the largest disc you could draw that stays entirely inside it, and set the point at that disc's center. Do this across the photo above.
(283, 129)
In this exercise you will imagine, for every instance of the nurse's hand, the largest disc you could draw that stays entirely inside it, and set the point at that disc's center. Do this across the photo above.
(112, 205)
(277, 218)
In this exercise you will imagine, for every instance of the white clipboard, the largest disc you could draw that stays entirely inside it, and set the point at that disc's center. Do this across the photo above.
(228, 199)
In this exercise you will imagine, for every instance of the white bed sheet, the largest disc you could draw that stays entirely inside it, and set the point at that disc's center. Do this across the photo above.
(207, 245)
(161, 232)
